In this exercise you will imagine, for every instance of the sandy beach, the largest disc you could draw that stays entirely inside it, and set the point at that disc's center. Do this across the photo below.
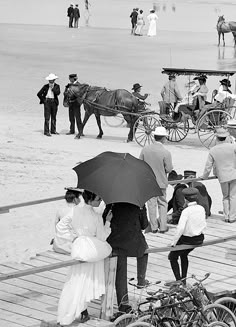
(33, 166)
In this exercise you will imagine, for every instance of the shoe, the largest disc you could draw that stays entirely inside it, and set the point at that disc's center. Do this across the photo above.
(77, 136)
(129, 140)
(70, 133)
(84, 316)
(163, 231)
(47, 134)
(55, 133)
(144, 284)
(231, 221)
(155, 231)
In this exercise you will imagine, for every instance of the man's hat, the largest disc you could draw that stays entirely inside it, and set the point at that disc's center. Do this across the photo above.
(136, 86)
(173, 176)
(225, 82)
(190, 193)
(190, 173)
(75, 189)
(160, 131)
(73, 76)
(221, 132)
(51, 77)
(201, 77)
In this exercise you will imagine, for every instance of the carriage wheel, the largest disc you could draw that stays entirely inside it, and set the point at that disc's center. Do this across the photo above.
(143, 128)
(114, 121)
(207, 124)
(177, 131)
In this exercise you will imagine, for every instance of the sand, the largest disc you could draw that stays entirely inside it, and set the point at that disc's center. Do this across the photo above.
(33, 166)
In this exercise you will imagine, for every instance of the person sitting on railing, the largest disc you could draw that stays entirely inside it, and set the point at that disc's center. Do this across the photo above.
(189, 231)
(64, 233)
(141, 98)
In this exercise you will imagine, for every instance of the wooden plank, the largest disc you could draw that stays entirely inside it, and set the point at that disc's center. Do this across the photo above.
(14, 317)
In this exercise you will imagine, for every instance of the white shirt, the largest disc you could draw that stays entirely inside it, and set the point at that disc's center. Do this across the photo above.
(222, 95)
(192, 222)
(50, 94)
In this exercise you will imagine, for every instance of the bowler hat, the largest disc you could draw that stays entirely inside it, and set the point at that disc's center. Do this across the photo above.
(73, 76)
(225, 82)
(221, 132)
(136, 86)
(173, 176)
(160, 131)
(190, 173)
(190, 193)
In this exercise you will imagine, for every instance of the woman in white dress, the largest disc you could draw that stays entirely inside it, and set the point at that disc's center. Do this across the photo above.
(140, 24)
(85, 281)
(152, 18)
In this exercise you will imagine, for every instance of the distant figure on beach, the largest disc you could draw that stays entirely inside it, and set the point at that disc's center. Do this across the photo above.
(152, 18)
(48, 96)
(70, 14)
(140, 24)
(87, 4)
(76, 16)
(134, 17)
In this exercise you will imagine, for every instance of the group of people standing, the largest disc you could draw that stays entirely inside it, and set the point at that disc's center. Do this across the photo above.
(73, 14)
(138, 22)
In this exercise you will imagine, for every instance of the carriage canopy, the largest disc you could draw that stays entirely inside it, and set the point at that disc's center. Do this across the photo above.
(185, 71)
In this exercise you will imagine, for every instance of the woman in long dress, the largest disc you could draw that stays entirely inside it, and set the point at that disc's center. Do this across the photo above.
(140, 23)
(152, 18)
(85, 281)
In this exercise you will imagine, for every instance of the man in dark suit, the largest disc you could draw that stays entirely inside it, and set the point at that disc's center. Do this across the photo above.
(134, 17)
(74, 110)
(48, 96)
(76, 16)
(127, 240)
(70, 14)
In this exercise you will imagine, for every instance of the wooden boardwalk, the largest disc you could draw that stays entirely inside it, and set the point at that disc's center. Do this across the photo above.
(32, 300)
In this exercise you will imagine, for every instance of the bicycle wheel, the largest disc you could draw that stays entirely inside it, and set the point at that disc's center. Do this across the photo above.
(158, 322)
(217, 324)
(228, 302)
(217, 312)
(114, 121)
(140, 324)
(125, 320)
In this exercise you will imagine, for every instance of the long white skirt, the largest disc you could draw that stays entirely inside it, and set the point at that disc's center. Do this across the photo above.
(85, 282)
(152, 31)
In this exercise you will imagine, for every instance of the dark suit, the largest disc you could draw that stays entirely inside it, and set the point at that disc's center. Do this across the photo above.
(76, 16)
(70, 14)
(127, 240)
(204, 198)
(74, 113)
(50, 106)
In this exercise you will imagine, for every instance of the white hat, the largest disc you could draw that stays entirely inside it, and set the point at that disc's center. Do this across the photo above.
(160, 131)
(51, 77)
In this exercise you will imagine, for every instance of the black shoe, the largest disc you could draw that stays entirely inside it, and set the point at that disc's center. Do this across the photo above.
(55, 133)
(47, 134)
(144, 284)
(84, 316)
(70, 133)
(77, 136)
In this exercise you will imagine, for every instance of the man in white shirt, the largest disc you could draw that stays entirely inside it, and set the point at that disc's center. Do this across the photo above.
(159, 159)
(189, 231)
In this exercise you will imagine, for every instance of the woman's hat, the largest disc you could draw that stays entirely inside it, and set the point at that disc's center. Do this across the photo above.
(51, 77)
(173, 176)
(221, 132)
(190, 174)
(190, 193)
(136, 86)
(225, 82)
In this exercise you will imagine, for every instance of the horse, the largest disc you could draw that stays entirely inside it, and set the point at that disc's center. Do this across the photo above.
(102, 102)
(225, 27)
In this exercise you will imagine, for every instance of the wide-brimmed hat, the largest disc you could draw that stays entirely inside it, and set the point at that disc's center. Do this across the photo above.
(190, 173)
(136, 86)
(221, 132)
(160, 131)
(190, 193)
(51, 77)
(225, 82)
(173, 176)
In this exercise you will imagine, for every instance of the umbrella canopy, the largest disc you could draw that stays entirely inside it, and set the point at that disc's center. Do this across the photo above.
(118, 177)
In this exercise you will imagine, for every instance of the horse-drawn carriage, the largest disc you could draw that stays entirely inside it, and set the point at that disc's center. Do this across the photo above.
(100, 101)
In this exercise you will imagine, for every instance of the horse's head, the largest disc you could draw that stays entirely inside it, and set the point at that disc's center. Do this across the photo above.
(221, 19)
(76, 92)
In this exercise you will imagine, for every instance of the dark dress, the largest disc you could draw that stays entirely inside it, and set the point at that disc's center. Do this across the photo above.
(177, 203)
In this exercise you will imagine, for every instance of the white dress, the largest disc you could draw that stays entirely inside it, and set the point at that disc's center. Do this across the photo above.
(85, 281)
(140, 24)
(152, 30)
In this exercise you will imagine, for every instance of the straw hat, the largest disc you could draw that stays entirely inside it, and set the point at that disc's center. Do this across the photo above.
(160, 131)
(51, 77)
(221, 132)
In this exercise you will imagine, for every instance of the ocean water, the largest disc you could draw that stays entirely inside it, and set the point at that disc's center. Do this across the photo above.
(178, 15)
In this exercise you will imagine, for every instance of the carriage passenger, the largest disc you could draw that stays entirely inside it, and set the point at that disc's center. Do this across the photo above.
(170, 92)
(141, 98)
